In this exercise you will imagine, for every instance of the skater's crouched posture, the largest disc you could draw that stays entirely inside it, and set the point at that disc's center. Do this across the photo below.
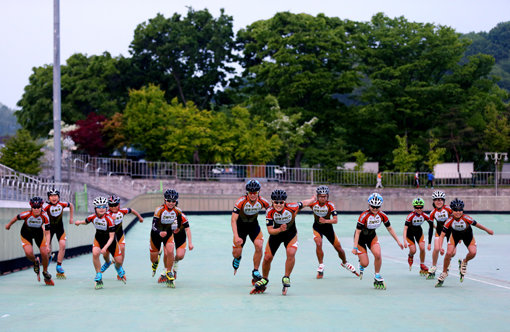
(365, 237)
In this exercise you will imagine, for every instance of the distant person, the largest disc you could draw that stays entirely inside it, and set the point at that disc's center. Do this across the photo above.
(245, 224)
(430, 180)
(379, 181)
(459, 225)
(417, 179)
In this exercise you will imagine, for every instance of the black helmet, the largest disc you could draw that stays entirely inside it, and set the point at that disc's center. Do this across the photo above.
(279, 195)
(322, 190)
(252, 186)
(457, 205)
(171, 194)
(113, 200)
(53, 191)
(36, 202)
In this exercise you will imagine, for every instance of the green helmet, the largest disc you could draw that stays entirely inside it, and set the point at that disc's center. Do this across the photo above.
(418, 202)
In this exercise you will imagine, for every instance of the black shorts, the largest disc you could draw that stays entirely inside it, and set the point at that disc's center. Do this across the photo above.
(180, 239)
(58, 230)
(157, 240)
(367, 239)
(439, 229)
(414, 234)
(100, 241)
(248, 228)
(29, 234)
(466, 236)
(285, 237)
(325, 230)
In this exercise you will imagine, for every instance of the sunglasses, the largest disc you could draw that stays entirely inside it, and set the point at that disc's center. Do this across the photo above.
(418, 207)
(113, 205)
(279, 202)
(170, 200)
(253, 192)
(37, 207)
(375, 207)
(101, 206)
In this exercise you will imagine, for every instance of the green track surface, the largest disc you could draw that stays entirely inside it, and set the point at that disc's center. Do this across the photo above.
(209, 297)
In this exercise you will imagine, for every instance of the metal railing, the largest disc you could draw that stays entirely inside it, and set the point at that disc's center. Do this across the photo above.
(126, 168)
(21, 187)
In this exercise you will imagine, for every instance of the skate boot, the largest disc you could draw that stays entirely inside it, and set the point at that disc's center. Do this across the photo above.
(286, 284)
(170, 280)
(361, 270)
(410, 260)
(441, 279)
(99, 280)
(60, 272)
(162, 278)
(350, 268)
(379, 282)
(424, 270)
(462, 269)
(175, 268)
(260, 286)
(37, 269)
(432, 272)
(255, 276)
(320, 271)
(121, 274)
(47, 279)
(105, 266)
(235, 264)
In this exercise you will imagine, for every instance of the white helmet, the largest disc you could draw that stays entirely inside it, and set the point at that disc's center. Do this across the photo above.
(100, 201)
(438, 194)
(375, 200)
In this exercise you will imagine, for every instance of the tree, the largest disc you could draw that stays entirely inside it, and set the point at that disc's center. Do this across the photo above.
(9, 124)
(21, 153)
(404, 157)
(360, 160)
(188, 57)
(88, 136)
(88, 85)
(434, 155)
(113, 131)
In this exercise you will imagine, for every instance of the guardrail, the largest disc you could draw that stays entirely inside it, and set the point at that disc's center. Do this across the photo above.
(126, 168)
(21, 187)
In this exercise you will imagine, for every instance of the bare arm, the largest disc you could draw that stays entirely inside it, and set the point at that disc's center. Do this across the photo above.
(333, 220)
(274, 231)
(9, 224)
(309, 201)
(79, 222)
(138, 215)
(356, 240)
(394, 235)
(482, 227)
(188, 234)
(71, 213)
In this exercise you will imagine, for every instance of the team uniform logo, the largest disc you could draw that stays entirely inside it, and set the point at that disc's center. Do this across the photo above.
(283, 218)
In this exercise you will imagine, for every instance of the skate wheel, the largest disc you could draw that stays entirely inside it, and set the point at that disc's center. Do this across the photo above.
(284, 290)
(49, 282)
(320, 275)
(170, 284)
(61, 276)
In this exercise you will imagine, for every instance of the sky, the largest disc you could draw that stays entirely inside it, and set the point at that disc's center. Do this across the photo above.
(95, 26)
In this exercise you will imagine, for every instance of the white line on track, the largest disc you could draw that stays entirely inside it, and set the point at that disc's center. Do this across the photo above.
(457, 270)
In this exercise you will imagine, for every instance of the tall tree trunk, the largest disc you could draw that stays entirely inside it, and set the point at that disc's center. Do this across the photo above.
(179, 87)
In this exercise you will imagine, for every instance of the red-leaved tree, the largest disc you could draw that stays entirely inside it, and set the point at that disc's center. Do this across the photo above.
(89, 137)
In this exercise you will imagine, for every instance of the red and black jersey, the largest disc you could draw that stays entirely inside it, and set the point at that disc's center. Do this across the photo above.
(168, 220)
(369, 222)
(29, 220)
(103, 225)
(56, 211)
(118, 217)
(415, 220)
(441, 215)
(247, 211)
(459, 225)
(286, 216)
(326, 211)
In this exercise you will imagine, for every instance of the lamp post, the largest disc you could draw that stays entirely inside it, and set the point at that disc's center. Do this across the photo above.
(496, 156)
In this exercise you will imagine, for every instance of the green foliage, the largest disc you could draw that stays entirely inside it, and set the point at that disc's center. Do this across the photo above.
(404, 158)
(186, 56)
(360, 160)
(434, 155)
(22, 153)
(88, 85)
